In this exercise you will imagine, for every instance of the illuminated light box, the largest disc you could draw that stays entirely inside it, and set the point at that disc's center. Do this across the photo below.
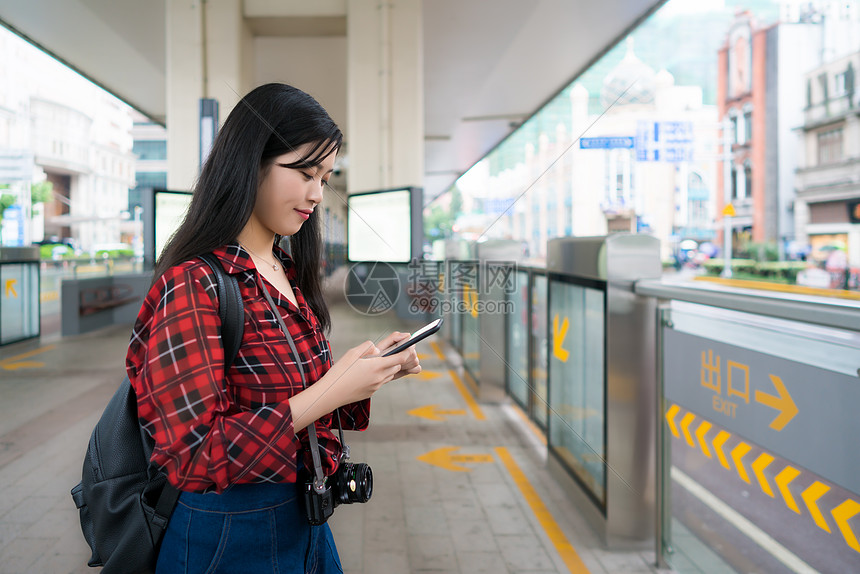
(385, 225)
(170, 210)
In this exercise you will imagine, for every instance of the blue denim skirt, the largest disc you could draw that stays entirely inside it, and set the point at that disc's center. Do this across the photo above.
(253, 528)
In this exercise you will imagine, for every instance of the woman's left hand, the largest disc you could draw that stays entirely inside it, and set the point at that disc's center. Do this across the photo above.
(410, 366)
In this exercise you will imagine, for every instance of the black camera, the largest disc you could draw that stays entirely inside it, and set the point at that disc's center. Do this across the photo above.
(352, 482)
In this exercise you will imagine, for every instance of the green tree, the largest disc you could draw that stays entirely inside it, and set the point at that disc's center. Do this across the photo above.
(39, 193)
(439, 222)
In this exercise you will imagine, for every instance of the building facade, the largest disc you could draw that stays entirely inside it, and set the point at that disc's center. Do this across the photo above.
(644, 165)
(79, 137)
(828, 178)
(759, 97)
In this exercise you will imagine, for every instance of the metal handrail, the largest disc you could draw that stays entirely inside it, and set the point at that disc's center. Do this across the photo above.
(829, 312)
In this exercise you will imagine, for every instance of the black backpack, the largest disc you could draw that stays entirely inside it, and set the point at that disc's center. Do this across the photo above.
(124, 501)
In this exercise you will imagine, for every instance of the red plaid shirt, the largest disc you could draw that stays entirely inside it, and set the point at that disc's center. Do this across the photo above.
(213, 429)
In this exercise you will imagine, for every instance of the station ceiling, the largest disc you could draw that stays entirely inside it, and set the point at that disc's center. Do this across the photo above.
(488, 64)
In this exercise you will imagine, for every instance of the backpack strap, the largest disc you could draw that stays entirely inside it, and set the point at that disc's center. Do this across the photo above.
(231, 310)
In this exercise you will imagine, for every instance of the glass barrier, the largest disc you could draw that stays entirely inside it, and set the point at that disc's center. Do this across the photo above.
(19, 305)
(578, 382)
(470, 293)
(456, 318)
(517, 330)
(539, 349)
(759, 443)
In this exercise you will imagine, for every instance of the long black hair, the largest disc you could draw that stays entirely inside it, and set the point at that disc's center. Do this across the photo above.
(270, 121)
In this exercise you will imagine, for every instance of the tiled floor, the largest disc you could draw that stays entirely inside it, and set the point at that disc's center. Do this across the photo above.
(421, 518)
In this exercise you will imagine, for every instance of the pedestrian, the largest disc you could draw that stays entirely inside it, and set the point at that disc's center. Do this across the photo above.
(233, 439)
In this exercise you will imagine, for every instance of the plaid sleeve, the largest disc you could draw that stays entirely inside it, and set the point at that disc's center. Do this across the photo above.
(176, 365)
(355, 416)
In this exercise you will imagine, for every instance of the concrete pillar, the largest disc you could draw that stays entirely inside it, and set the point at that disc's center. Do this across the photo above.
(385, 94)
(228, 46)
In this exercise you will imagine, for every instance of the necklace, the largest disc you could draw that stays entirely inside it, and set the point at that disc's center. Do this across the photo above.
(275, 266)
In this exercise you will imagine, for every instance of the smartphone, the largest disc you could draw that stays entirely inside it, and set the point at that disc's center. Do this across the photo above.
(418, 335)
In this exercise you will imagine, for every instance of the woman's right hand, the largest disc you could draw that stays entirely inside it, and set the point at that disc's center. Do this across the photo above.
(356, 376)
(361, 372)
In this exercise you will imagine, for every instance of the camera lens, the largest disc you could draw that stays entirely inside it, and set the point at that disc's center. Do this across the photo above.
(355, 483)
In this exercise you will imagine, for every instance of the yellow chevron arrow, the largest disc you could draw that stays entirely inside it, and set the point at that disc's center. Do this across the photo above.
(427, 375)
(842, 514)
(434, 413)
(737, 454)
(700, 434)
(670, 418)
(685, 428)
(810, 496)
(782, 480)
(444, 458)
(718, 443)
(10, 288)
(783, 403)
(758, 467)
(470, 298)
(558, 336)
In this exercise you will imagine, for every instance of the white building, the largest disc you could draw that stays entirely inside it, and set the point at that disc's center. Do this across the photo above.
(827, 181)
(610, 179)
(80, 139)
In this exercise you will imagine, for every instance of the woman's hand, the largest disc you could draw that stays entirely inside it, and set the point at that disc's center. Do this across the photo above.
(356, 376)
(409, 367)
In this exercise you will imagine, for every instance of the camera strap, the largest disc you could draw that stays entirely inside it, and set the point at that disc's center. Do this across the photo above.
(319, 477)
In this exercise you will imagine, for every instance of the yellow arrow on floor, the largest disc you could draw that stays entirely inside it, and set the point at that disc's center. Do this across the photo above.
(427, 375)
(16, 362)
(434, 413)
(783, 403)
(558, 336)
(445, 458)
(10, 287)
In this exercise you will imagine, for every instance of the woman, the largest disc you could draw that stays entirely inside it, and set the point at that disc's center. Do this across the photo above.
(233, 440)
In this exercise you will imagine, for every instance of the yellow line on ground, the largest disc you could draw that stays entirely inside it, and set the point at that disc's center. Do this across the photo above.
(467, 396)
(27, 355)
(438, 350)
(473, 384)
(564, 548)
(529, 423)
(782, 288)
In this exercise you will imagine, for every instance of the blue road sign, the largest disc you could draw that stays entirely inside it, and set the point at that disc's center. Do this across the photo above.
(664, 141)
(620, 142)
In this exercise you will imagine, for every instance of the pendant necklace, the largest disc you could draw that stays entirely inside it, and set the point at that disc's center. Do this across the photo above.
(275, 266)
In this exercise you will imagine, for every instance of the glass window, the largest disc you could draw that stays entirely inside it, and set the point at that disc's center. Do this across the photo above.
(830, 146)
(150, 150)
(735, 194)
(154, 179)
